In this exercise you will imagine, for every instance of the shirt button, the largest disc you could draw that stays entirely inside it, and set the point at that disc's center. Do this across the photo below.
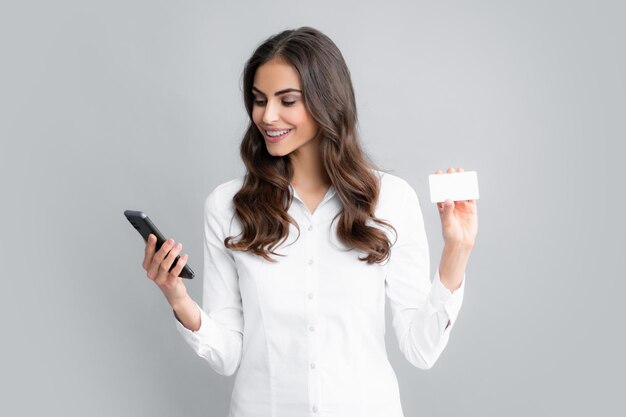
(312, 365)
(310, 261)
(310, 228)
(314, 409)
(311, 328)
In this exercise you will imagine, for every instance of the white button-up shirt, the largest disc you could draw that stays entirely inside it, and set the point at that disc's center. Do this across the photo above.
(306, 334)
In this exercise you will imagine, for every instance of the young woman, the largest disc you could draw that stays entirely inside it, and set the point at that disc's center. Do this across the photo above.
(301, 252)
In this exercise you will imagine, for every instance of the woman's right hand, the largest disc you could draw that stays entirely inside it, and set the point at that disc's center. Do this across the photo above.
(157, 266)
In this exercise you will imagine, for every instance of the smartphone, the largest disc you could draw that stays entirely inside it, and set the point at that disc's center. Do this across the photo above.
(142, 223)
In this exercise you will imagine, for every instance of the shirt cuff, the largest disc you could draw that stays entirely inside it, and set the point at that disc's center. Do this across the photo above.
(441, 298)
(204, 332)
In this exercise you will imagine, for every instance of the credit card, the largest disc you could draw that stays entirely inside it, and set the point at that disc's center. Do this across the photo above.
(455, 186)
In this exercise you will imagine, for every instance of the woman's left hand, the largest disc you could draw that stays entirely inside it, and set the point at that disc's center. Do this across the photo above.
(459, 220)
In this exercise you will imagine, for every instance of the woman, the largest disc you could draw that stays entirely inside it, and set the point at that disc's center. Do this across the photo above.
(296, 304)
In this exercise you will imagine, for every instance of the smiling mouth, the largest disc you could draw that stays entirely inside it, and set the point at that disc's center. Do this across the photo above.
(276, 135)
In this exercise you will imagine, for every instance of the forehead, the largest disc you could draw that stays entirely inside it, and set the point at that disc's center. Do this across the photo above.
(275, 75)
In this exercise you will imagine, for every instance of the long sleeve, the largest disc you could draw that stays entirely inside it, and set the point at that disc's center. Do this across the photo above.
(420, 309)
(220, 336)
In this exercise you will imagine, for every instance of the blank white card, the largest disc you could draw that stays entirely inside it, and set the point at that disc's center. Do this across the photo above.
(455, 186)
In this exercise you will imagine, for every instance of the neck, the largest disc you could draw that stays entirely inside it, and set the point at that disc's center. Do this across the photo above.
(308, 168)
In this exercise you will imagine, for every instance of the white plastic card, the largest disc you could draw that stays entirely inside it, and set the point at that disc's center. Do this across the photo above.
(455, 186)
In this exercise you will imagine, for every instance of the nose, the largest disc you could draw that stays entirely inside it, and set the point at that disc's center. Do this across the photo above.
(270, 115)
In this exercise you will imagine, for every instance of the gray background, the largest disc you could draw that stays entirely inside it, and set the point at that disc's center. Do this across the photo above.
(115, 105)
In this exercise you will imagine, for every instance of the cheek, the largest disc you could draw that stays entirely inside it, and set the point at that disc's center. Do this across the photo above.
(311, 125)
(302, 120)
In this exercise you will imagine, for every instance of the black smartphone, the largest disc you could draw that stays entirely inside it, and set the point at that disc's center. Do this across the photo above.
(142, 223)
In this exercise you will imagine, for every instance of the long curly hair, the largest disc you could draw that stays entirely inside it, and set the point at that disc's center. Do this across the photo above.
(262, 202)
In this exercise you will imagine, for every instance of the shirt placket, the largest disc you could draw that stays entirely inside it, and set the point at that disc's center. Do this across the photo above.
(311, 273)
(312, 282)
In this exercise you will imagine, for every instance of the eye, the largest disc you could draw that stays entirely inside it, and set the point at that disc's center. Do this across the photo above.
(285, 102)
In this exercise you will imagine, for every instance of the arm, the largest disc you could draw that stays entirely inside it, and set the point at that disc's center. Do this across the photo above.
(215, 331)
(452, 267)
(423, 312)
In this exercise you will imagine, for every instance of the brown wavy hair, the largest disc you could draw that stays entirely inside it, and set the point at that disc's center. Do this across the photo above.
(262, 202)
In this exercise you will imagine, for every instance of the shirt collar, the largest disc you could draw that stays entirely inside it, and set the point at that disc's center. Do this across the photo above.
(329, 194)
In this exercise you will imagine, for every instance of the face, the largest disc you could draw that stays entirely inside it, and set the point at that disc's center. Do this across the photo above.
(278, 110)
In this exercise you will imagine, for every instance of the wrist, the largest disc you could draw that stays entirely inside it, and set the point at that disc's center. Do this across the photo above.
(177, 303)
(458, 248)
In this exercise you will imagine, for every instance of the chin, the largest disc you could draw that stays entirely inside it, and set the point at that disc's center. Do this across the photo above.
(275, 152)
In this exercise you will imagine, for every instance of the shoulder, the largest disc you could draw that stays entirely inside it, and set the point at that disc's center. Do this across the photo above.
(394, 189)
(220, 199)
(398, 201)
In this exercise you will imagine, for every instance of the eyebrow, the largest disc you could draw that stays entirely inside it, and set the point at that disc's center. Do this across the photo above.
(283, 91)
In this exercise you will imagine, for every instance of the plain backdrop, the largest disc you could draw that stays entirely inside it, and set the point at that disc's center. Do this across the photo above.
(114, 105)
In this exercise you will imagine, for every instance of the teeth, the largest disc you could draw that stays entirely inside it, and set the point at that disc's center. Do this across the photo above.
(274, 134)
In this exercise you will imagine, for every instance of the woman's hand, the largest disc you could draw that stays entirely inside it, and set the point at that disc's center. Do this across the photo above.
(157, 266)
(459, 220)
